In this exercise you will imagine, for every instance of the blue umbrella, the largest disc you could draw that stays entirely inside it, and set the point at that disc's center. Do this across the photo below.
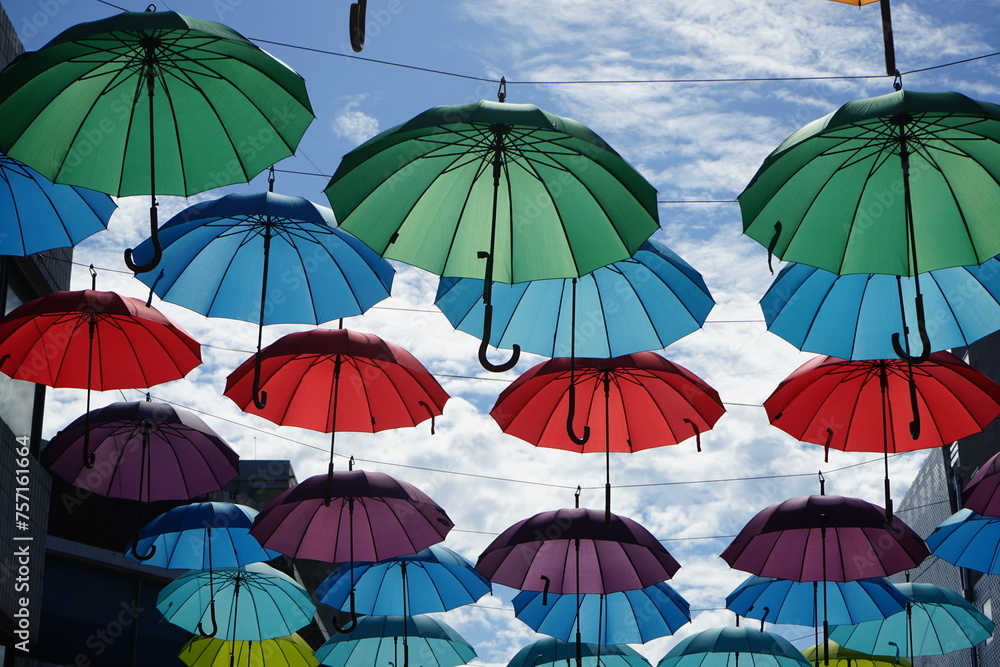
(550, 651)
(732, 647)
(626, 617)
(384, 640)
(251, 602)
(37, 215)
(643, 303)
(792, 602)
(434, 579)
(200, 536)
(968, 540)
(936, 621)
(854, 316)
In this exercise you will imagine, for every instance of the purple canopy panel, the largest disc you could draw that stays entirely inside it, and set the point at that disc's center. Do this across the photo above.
(143, 451)
(982, 493)
(786, 541)
(370, 516)
(539, 553)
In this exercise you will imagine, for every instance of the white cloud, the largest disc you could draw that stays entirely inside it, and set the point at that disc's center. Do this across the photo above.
(353, 124)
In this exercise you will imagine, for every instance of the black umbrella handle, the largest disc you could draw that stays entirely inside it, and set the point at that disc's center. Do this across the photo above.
(571, 417)
(135, 545)
(215, 626)
(357, 25)
(488, 322)
(259, 396)
(925, 340)
(351, 623)
(154, 238)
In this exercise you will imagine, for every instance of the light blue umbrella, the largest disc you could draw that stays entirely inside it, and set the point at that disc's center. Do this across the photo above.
(734, 647)
(434, 579)
(968, 540)
(200, 536)
(626, 617)
(792, 602)
(937, 621)
(400, 640)
(252, 602)
(643, 303)
(550, 651)
(854, 316)
(37, 215)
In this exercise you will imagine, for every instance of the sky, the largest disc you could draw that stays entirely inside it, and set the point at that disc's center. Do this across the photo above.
(699, 137)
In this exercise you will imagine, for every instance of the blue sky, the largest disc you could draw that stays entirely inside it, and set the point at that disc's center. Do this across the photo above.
(693, 139)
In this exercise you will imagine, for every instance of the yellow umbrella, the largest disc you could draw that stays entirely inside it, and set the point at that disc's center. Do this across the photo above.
(291, 651)
(845, 657)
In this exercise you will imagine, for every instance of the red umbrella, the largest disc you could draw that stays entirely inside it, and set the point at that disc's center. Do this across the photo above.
(982, 493)
(884, 405)
(633, 402)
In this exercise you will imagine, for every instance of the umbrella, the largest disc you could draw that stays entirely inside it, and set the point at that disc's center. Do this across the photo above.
(625, 617)
(147, 103)
(733, 647)
(550, 652)
(201, 536)
(785, 601)
(433, 579)
(252, 602)
(980, 494)
(642, 303)
(289, 651)
(854, 316)
(375, 641)
(854, 405)
(36, 215)
(533, 194)
(845, 657)
(634, 402)
(969, 540)
(936, 621)
(898, 184)
(215, 251)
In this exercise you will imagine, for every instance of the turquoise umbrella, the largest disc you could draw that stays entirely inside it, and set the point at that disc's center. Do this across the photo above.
(550, 651)
(384, 640)
(734, 647)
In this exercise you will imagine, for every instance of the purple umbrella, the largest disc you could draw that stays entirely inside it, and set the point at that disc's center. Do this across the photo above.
(982, 493)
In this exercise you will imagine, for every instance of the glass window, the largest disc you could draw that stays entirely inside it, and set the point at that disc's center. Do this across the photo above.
(17, 398)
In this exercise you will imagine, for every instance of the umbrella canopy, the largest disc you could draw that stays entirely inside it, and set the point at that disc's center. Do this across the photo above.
(645, 302)
(433, 579)
(783, 601)
(937, 621)
(854, 316)
(967, 539)
(728, 647)
(201, 536)
(552, 652)
(142, 451)
(576, 551)
(845, 657)
(981, 493)
(251, 602)
(377, 641)
(351, 516)
(289, 651)
(625, 617)
(36, 215)
(825, 538)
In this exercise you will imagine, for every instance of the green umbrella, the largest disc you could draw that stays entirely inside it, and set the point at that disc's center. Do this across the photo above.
(898, 184)
(535, 195)
(80, 110)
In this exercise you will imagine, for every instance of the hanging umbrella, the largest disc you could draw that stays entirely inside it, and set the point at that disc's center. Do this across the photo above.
(785, 601)
(936, 621)
(969, 540)
(633, 402)
(147, 103)
(646, 302)
(854, 316)
(856, 405)
(36, 215)
(533, 194)
(980, 494)
(433, 579)
(291, 651)
(625, 617)
(552, 652)
(845, 657)
(201, 536)
(898, 184)
(733, 647)
(379, 640)
(252, 602)
(216, 254)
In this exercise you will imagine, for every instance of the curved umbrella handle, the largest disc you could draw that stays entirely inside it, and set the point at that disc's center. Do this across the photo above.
(545, 590)
(357, 25)
(914, 408)
(571, 417)
(697, 433)
(351, 624)
(771, 246)
(215, 626)
(138, 556)
(259, 396)
(925, 340)
(154, 238)
(485, 342)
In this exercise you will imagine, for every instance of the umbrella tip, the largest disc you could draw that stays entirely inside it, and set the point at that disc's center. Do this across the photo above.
(822, 483)
(576, 496)
(502, 90)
